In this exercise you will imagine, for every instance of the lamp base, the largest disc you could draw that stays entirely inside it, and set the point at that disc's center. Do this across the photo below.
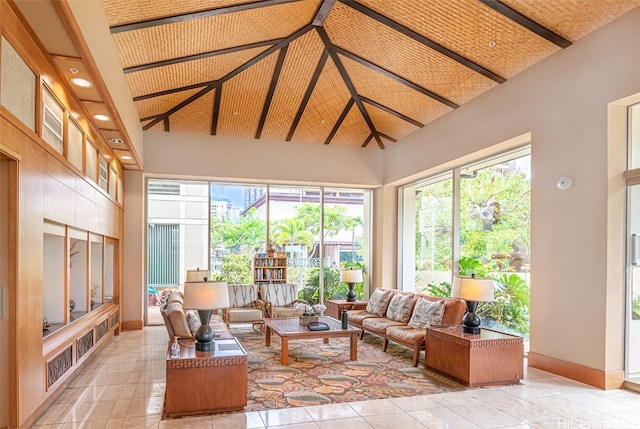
(205, 347)
(204, 335)
(471, 329)
(351, 295)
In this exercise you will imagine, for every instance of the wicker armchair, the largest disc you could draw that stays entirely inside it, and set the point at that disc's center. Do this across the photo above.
(279, 299)
(245, 307)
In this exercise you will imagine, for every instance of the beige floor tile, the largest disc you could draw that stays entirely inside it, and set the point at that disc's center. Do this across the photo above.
(414, 403)
(486, 416)
(200, 422)
(285, 416)
(376, 406)
(442, 418)
(394, 421)
(350, 423)
(331, 412)
(250, 420)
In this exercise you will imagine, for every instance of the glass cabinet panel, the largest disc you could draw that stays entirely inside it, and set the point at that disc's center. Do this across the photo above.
(53, 285)
(96, 272)
(78, 295)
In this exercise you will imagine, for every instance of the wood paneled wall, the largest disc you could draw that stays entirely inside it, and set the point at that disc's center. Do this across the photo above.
(48, 187)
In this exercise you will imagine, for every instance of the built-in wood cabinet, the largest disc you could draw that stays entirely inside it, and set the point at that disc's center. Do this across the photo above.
(269, 269)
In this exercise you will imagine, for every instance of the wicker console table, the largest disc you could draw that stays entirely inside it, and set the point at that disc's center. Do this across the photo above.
(484, 359)
(206, 382)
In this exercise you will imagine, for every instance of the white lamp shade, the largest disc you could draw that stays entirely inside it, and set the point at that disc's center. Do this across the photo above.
(472, 288)
(197, 275)
(206, 295)
(351, 276)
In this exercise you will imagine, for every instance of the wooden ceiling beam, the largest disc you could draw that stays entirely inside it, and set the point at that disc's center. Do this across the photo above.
(202, 55)
(392, 112)
(172, 91)
(323, 12)
(423, 40)
(338, 123)
(396, 77)
(527, 23)
(179, 106)
(216, 110)
(196, 15)
(366, 142)
(272, 88)
(307, 94)
(347, 81)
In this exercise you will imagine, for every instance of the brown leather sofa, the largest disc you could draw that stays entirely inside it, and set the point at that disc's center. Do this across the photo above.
(392, 317)
(183, 323)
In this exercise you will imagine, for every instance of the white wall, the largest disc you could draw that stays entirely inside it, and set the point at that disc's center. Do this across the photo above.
(229, 158)
(562, 102)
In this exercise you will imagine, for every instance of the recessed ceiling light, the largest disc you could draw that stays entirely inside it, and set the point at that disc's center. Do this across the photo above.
(114, 140)
(492, 44)
(235, 113)
(101, 117)
(82, 83)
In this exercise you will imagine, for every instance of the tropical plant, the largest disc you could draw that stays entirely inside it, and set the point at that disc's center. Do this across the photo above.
(235, 269)
(471, 266)
(292, 231)
(510, 309)
(443, 289)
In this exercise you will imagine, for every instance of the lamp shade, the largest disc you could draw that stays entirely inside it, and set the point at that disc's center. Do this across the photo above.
(351, 276)
(206, 295)
(472, 288)
(197, 275)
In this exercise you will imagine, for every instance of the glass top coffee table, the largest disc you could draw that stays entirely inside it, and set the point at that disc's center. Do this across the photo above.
(289, 328)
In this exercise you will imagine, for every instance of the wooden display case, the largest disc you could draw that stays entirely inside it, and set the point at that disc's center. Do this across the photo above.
(484, 359)
(206, 382)
(269, 269)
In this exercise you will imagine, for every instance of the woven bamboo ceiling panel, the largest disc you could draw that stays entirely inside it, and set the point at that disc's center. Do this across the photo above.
(332, 71)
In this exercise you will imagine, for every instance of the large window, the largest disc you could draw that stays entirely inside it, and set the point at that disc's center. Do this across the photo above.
(472, 220)
(248, 219)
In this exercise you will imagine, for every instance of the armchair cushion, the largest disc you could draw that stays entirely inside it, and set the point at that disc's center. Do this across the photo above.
(243, 295)
(178, 320)
(279, 295)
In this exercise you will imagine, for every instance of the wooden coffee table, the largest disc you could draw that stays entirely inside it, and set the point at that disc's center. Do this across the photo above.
(289, 328)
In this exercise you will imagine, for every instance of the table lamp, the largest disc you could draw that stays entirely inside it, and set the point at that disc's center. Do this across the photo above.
(351, 276)
(197, 275)
(205, 297)
(473, 290)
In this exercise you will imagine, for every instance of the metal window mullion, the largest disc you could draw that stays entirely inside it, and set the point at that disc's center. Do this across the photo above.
(455, 226)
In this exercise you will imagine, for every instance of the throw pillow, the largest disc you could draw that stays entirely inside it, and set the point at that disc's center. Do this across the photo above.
(379, 301)
(400, 307)
(193, 320)
(426, 313)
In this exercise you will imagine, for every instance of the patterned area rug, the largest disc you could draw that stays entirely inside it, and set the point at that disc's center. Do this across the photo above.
(320, 373)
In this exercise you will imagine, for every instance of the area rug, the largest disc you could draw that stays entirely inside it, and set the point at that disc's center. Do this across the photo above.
(320, 373)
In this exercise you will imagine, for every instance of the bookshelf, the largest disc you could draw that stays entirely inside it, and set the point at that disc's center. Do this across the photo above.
(269, 269)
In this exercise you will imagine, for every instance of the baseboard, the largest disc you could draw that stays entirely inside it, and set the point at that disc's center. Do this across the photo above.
(132, 325)
(583, 374)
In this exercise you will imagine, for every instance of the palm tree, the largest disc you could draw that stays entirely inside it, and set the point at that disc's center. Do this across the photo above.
(291, 231)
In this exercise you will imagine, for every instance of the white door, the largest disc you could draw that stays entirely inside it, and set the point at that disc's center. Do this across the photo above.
(633, 287)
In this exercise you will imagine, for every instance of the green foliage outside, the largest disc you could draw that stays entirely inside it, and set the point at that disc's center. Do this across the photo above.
(242, 240)
(635, 308)
(333, 287)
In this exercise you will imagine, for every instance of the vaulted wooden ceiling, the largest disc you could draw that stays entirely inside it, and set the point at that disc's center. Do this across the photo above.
(332, 71)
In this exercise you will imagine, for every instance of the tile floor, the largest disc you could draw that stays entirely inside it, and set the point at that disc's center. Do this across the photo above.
(123, 387)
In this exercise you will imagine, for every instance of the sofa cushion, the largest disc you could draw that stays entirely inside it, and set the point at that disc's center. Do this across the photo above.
(406, 334)
(379, 324)
(454, 308)
(178, 320)
(176, 297)
(400, 307)
(426, 313)
(379, 301)
(193, 320)
(357, 316)
(242, 295)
